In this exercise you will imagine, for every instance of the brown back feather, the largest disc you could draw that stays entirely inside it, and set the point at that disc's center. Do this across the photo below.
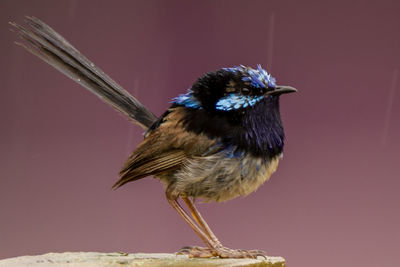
(164, 150)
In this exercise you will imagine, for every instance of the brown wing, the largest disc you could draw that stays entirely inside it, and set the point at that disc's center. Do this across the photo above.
(164, 150)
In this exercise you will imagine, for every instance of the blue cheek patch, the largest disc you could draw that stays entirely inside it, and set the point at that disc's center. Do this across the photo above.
(237, 101)
(187, 100)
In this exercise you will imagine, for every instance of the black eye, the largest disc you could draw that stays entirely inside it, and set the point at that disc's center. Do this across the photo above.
(245, 91)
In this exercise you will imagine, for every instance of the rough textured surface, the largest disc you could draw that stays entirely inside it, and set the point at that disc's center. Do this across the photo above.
(88, 259)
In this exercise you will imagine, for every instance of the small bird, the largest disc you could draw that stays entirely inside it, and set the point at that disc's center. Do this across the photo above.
(221, 139)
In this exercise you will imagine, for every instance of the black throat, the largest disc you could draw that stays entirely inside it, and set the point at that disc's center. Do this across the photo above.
(256, 130)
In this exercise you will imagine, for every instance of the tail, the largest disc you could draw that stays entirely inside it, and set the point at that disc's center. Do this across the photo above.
(48, 45)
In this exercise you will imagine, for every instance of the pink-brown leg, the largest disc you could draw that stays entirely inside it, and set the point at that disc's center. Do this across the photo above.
(195, 252)
(199, 219)
(217, 249)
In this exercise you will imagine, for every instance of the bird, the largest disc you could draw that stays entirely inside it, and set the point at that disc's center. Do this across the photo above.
(221, 139)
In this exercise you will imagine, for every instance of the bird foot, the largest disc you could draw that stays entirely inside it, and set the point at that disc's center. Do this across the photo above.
(222, 252)
(197, 252)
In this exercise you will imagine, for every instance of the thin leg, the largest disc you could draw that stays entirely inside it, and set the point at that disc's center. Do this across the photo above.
(199, 219)
(214, 246)
(220, 250)
(175, 204)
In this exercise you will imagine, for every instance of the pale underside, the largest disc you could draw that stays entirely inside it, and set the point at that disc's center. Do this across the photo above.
(220, 178)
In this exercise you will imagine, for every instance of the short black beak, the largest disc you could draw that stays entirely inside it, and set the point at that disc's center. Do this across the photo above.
(281, 89)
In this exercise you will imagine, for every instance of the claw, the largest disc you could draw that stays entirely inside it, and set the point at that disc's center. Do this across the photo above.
(258, 253)
(222, 252)
(184, 250)
(197, 252)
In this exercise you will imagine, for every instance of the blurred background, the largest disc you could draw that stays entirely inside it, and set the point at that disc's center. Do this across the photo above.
(335, 196)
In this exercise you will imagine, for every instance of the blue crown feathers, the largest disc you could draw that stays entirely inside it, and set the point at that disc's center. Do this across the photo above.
(257, 78)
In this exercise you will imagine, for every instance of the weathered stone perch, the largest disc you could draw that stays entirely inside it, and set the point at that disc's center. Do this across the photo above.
(92, 259)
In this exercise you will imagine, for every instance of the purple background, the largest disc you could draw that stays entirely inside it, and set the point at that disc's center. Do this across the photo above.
(335, 197)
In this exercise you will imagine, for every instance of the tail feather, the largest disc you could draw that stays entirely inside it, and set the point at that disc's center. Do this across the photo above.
(48, 45)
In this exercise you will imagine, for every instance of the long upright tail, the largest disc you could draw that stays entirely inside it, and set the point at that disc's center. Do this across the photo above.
(48, 45)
